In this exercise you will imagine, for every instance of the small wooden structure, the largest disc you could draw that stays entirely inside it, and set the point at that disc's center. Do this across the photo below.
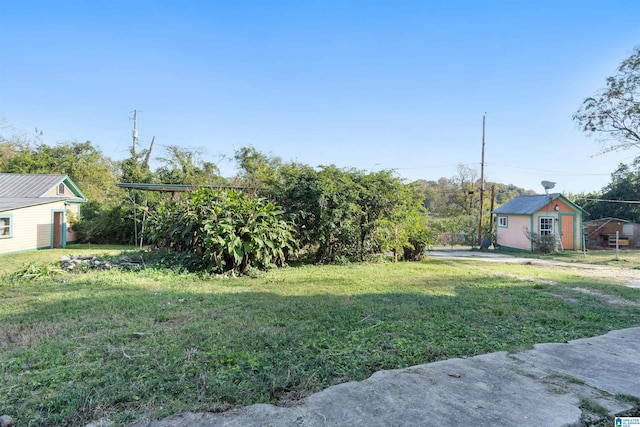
(602, 233)
(540, 214)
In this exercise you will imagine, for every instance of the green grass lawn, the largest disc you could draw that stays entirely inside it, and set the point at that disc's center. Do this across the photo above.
(127, 345)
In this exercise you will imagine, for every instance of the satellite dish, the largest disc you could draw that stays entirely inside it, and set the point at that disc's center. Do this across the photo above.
(548, 185)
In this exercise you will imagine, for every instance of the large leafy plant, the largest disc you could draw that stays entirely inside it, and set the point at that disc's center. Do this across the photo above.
(221, 231)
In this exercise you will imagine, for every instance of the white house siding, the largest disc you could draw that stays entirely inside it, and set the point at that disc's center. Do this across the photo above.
(513, 236)
(32, 228)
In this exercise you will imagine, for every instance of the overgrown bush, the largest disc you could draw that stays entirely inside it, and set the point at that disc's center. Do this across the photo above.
(419, 241)
(346, 214)
(221, 231)
(406, 233)
(105, 225)
(546, 244)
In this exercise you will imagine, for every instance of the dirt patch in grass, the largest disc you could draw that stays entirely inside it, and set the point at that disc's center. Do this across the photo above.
(23, 336)
(609, 299)
(602, 296)
(564, 297)
(626, 277)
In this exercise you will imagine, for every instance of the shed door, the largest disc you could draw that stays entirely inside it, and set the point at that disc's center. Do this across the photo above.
(566, 227)
(57, 229)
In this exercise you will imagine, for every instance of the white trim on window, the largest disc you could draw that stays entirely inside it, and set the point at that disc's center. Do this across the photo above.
(6, 226)
(545, 226)
(503, 221)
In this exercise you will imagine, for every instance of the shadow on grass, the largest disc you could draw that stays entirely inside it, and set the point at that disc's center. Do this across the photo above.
(103, 348)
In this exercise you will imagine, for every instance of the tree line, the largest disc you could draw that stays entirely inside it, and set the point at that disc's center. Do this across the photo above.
(331, 214)
(326, 213)
(612, 117)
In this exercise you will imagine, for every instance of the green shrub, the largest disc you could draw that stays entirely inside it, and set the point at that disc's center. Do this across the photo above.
(105, 225)
(221, 231)
(546, 244)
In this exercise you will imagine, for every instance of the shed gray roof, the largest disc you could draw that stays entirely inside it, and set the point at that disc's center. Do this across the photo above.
(27, 185)
(8, 204)
(526, 205)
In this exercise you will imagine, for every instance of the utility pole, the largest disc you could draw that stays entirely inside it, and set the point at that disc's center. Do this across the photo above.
(135, 131)
(133, 195)
(493, 201)
(481, 184)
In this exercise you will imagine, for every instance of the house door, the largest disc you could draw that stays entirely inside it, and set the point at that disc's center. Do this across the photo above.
(57, 229)
(566, 228)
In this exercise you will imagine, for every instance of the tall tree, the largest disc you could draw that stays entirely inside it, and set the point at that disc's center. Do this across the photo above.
(93, 172)
(135, 169)
(612, 115)
(337, 212)
(257, 169)
(185, 166)
(463, 200)
(612, 202)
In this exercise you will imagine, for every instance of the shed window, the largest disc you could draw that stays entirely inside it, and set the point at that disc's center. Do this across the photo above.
(546, 225)
(5, 226)
(503, 221)
(60, 189)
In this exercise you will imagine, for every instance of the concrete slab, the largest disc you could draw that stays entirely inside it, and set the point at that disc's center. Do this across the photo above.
(610, 362)
(545, 386)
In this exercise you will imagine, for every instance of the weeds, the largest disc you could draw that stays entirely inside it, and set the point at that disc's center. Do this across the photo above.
(565, 377)
(35, 271)
(593, 407)
(629, 398)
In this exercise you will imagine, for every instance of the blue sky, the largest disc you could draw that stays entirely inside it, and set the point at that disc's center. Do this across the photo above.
(368, 84)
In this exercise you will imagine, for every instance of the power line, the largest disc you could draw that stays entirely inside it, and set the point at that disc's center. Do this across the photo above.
(497, 166)
(631, 202)
(547, 171)
(436, 167)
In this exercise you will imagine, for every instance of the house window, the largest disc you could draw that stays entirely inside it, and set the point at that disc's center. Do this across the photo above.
(502, 221)
(60, 189)
(546, 225)
(5, 226)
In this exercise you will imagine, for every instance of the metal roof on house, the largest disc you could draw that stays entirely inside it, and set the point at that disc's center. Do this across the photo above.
(27, 185)
(23, 190)
(526, 205)
(11, 203)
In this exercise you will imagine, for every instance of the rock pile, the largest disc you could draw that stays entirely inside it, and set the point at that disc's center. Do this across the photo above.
(7, 421)
(86, 262)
